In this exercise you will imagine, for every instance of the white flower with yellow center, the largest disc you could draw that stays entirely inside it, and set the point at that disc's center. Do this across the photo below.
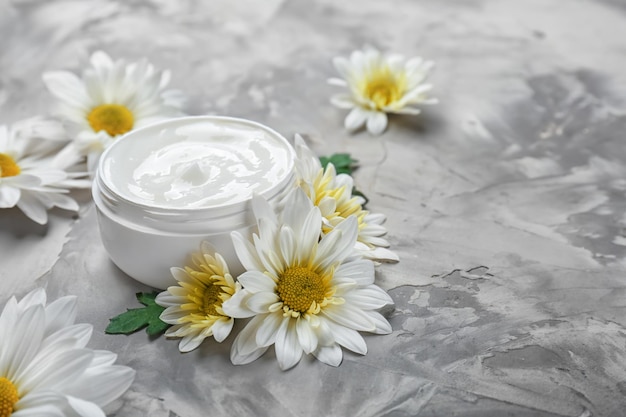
(332, 193)
(379, 84)
(35, 166)
(45, 367)
(194, 306)
(112, 98)
(304, 294)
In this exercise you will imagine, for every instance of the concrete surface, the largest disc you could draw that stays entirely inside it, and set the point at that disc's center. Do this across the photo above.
(505, 202)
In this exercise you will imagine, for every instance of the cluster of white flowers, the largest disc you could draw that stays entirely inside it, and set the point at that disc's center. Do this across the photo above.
(41, 159)
(379, 84)
(309, 281)
(46, 368)
(37, 168)
(114, 97)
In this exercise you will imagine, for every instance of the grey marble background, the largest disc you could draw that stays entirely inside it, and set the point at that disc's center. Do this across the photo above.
(505, 202)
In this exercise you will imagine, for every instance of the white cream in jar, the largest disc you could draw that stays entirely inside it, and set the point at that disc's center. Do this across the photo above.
(163, 189)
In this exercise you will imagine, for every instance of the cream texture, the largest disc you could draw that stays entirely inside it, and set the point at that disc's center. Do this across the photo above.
(198, 165)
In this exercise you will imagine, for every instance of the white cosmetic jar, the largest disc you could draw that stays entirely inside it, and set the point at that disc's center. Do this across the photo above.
(163, 189)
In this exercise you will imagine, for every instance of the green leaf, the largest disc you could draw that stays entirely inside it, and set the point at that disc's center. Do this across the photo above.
(343, 162)
(137, 318)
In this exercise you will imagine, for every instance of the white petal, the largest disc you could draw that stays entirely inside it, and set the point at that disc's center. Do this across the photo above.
(337, 244)
(33, 208)
(342, 101)
(413, 64)
(101, 61)
(261, 301)
(103, 358)
(77, 334)
(355, 118)
(172, 314)
(35, 297)
(255, 281)
(330, 355)
(348, 338)
(180, 275)
(371, 297)
(338, 82)
(246, 252)
(85, 408)
(25, 338)
(164, 299)
(287, 245)
(306, 336)
(288, 350)
(324, 335)
(66, 367)
(350, 317)
(189, 343)
(235, 306)
(221, 329)
(262, 209)
(308, 164)
(101, 385)
(267, 330)
(244, 349)
(327, 205)
(361, 271)
(60, 313)
(9, 196)
(343, 66)
(68, 88)
(25, 180)
(41, 404)
(297, 208)
(309, 234)
(380, 255)
(404, 110)
(376, 122)
(381, 323)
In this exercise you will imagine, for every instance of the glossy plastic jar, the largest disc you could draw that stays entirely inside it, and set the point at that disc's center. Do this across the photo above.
(163, 189)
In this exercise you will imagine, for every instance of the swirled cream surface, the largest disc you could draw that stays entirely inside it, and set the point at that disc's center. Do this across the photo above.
(196, 165)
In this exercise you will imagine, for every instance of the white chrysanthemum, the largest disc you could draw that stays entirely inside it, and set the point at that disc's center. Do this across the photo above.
(380, 84)
(194, 306)
(34, 164)
(45, 367)
(112, 98)
(305, 294)
(332, 193)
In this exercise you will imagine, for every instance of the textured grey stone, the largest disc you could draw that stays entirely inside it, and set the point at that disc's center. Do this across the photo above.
(505, 202)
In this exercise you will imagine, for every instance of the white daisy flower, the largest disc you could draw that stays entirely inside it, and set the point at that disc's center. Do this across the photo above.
(112, 98)
(35, 168)
(332, 193)
(304, 294)
(45, 367)
(194, 306)
(379, 84)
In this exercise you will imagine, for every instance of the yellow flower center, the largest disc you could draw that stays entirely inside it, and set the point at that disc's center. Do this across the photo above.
(383, 87)
(299, 288)
(211, 300)
(8, 167)
(8, 397)
(115, 119)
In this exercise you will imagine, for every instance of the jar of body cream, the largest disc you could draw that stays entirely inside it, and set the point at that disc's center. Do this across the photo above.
(163, 189)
